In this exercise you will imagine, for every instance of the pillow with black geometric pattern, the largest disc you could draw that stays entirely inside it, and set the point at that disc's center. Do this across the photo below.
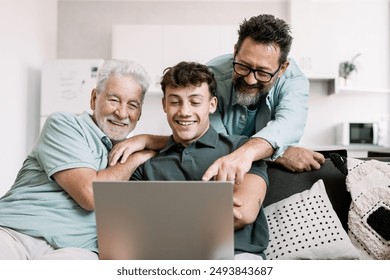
(368, 181)
(305, 226)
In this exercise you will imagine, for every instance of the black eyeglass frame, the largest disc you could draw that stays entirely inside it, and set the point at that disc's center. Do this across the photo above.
(250, 69)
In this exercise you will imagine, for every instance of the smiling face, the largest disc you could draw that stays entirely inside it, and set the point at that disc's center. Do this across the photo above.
(187, 110)
(117, 109)
(258, 56)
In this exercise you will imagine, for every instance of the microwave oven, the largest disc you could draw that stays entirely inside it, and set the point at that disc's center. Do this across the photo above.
(358, 133)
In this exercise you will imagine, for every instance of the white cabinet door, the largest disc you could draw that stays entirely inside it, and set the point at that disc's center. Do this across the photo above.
(313, 46)
(157, 47)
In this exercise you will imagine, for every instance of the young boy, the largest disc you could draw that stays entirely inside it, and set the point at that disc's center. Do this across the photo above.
(189, 98)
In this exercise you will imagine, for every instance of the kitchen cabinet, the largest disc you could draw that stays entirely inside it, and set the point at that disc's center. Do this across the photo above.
(312, 48)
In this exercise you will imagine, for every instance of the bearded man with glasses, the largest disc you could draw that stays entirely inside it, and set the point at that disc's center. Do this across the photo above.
(261, 94)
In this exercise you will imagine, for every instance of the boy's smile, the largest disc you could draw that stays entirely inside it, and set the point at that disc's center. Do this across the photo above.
(187, 110)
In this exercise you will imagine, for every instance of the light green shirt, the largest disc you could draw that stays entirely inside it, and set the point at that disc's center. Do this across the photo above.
(36, 205)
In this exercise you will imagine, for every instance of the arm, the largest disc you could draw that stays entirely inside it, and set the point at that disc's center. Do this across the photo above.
(75, 163)
(251, 193)
(289, 100)
(287, 106)
(124, 149)
(77, 182)
(236, 164)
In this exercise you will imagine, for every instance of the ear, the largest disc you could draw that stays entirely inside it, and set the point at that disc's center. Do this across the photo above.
(283, 68)
(213, 104)
(163, 104)
(92, 102)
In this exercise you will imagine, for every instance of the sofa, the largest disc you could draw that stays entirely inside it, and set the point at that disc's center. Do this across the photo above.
(309, 213)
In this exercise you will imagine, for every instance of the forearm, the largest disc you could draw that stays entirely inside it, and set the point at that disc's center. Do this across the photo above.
(256, 149)
(287, 126)
(123, 171)
(251, 193)
(235, 165)
(155, 142)
(77, 182)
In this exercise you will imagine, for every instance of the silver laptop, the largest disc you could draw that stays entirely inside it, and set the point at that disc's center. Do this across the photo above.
(157, 220)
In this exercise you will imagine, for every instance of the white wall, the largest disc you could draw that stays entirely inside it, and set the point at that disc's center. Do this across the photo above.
(28, 37)
(85, 27)
(327, 111)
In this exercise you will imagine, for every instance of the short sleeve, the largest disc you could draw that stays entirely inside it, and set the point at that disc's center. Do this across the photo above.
(63, 144)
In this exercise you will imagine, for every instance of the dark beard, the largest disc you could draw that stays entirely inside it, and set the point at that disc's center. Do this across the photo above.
(249, 100)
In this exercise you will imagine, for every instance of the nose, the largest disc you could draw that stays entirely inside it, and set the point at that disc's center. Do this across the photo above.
(184, 110)
(251, 79)
(121, 111)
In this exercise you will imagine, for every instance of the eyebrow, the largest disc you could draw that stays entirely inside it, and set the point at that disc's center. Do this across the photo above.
(117, 96)
(179, 96)
(109, 93)
(262, 68)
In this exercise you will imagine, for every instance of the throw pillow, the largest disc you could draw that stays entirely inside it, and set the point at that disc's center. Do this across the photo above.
(368, 181)
(305, 226)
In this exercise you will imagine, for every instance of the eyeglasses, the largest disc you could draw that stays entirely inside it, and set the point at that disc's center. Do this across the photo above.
(260, 75)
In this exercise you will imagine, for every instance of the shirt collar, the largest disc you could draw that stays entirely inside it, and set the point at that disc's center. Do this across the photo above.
(209, 139)
(87, 118)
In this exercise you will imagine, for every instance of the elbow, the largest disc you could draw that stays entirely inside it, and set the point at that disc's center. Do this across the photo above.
(86, 201)
(248, 218)
(87, 205)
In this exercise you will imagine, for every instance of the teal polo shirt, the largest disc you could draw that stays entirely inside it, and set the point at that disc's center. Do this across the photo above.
(178, 163)
(36, 205)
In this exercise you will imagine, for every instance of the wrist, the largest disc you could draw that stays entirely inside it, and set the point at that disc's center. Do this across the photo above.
(257, 148)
